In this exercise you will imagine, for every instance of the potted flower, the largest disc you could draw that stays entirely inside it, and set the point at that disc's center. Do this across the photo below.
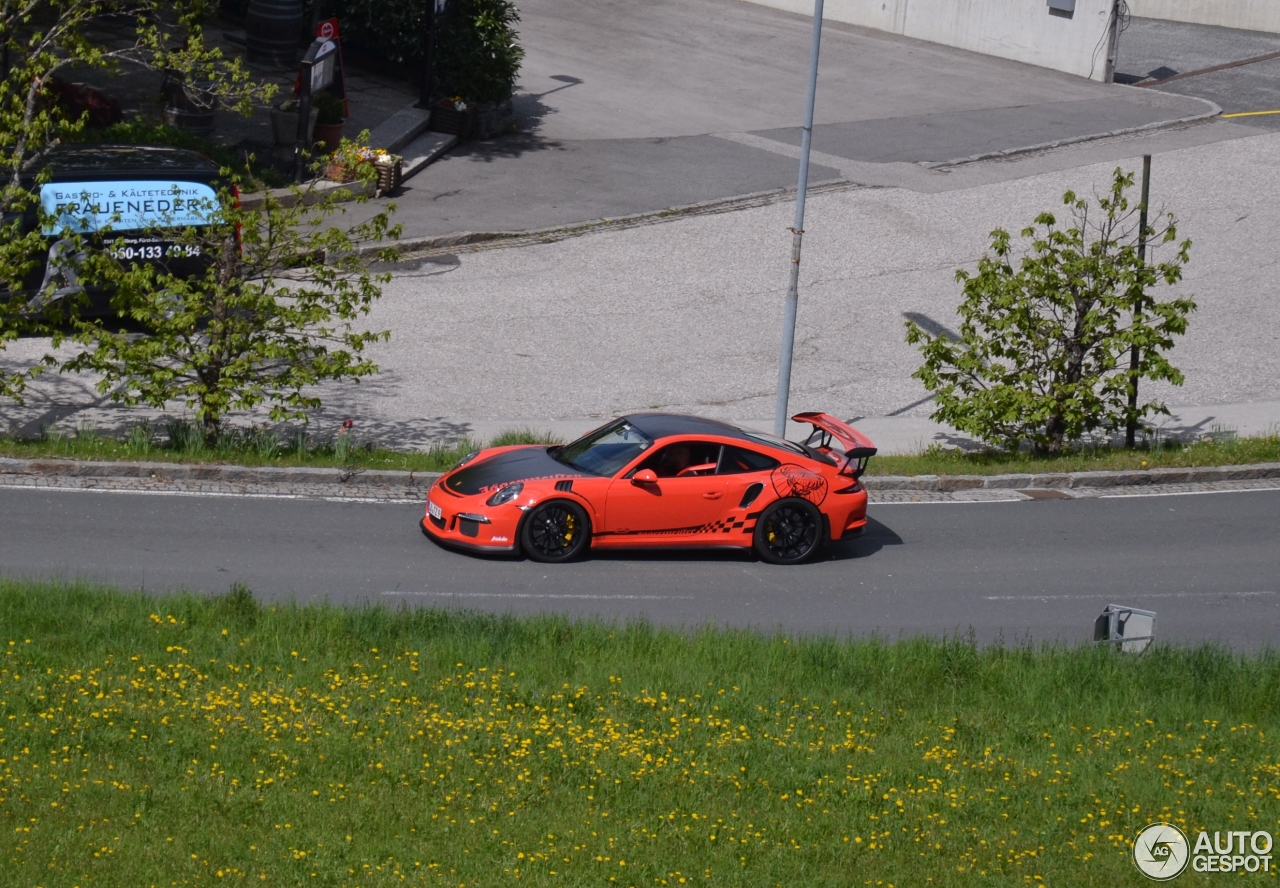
(329, 117)
(353, 160)
(454, 115)
(284, 122)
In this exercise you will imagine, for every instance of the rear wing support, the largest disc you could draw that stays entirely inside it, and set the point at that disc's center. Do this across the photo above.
(854, 448)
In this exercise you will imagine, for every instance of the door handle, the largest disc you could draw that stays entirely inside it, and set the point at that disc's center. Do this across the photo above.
(715, 494)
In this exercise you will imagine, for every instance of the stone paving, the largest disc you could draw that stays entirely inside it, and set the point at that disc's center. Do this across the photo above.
(902, 497)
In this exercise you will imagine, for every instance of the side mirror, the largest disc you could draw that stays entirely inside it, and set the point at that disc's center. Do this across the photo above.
(644, 476)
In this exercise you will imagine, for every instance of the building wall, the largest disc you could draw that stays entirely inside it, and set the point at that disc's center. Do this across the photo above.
(1022, 30)
(1253, 15)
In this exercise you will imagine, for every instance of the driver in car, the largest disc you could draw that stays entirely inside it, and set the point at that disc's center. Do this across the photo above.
(674, 460)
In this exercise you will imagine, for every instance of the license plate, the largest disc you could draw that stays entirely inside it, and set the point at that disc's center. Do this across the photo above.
(434, 511)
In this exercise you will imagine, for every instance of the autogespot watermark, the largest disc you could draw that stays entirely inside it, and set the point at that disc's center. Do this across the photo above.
(1163, 852)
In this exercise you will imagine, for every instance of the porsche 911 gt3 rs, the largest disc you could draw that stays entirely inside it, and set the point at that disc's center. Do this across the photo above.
(658, 479)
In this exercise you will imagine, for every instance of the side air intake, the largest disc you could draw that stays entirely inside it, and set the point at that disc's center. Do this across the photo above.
(564, 486)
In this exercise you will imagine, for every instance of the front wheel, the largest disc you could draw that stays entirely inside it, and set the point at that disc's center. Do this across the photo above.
(555, 531)
(788, 532)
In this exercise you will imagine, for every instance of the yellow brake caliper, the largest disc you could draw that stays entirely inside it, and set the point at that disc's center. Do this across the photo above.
(568, 534)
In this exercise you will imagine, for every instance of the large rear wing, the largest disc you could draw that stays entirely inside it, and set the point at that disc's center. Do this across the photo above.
(840, 440)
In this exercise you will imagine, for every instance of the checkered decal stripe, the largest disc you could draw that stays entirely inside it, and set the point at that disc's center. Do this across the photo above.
(747, 524)
(729, 525)
(725, 526)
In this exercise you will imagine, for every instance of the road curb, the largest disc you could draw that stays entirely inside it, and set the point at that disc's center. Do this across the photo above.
(339, 480)
(1214, 111)
(1075, 480)
(276, 476)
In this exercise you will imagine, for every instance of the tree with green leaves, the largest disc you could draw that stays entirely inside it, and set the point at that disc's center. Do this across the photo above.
(276, 311)
(1047, 331)
(477, 53)
(45, 39)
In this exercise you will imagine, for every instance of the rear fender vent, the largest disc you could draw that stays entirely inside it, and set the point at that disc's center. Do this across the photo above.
(750, 496)
(564, 486)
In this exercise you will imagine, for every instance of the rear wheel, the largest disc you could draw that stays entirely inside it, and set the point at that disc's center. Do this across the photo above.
(555, 531)
(788, 532)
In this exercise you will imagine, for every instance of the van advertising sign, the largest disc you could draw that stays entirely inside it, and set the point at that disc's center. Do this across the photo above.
(85, 207)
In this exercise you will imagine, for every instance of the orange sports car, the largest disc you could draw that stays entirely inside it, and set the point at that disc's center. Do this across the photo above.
(658, 479)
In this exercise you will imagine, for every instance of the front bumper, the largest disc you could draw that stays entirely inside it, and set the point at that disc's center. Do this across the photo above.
(469, 523)
(430, 530)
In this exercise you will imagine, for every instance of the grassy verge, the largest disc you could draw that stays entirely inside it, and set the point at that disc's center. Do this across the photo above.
(179, 441)
(197, 741)
(1225, 451)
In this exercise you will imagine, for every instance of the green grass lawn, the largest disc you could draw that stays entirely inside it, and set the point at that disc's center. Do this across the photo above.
(1226, 451)
(188, 741)
(264, 447)
(255, 447)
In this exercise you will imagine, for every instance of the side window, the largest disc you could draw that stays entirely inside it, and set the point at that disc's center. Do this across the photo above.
(683, 460)
(737, 460)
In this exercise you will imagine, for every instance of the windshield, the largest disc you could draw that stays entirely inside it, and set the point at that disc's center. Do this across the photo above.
(607, 449)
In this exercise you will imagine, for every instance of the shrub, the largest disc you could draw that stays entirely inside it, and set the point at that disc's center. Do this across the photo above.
(329, 109)
(476, 52)
(1045, 341)
(477, 56)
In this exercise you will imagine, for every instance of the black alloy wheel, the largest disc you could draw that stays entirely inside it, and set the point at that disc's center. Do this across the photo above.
(555, 531)
(788, 532)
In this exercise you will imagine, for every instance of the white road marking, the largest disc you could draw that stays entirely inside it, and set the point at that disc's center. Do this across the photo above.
(543, 595)
(1139, 595)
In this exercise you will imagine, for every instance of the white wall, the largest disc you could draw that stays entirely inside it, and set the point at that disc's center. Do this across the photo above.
(1022, 30)
(1253, 15)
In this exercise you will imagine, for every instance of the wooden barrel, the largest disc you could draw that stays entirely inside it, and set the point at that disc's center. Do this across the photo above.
(271, 30)
(196, 120)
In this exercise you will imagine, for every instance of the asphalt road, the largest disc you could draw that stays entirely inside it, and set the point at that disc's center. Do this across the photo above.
(622, 108)
(1207, 564)
(1153, 50)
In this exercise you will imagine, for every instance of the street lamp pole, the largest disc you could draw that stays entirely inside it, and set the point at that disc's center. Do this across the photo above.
(797, 232)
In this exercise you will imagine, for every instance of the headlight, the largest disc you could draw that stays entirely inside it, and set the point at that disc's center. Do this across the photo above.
(466, 459)
(505, 494)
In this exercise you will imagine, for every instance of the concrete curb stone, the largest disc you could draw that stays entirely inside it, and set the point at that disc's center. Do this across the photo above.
(1076, 480)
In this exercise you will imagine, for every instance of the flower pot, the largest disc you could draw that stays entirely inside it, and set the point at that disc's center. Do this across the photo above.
(448, 119)
(389, 172)
(284, 125)
(327, 136)
(340, 172)
(493, 119)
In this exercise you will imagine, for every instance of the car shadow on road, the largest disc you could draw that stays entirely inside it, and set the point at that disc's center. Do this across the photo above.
(875, 538)
(872, 540)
